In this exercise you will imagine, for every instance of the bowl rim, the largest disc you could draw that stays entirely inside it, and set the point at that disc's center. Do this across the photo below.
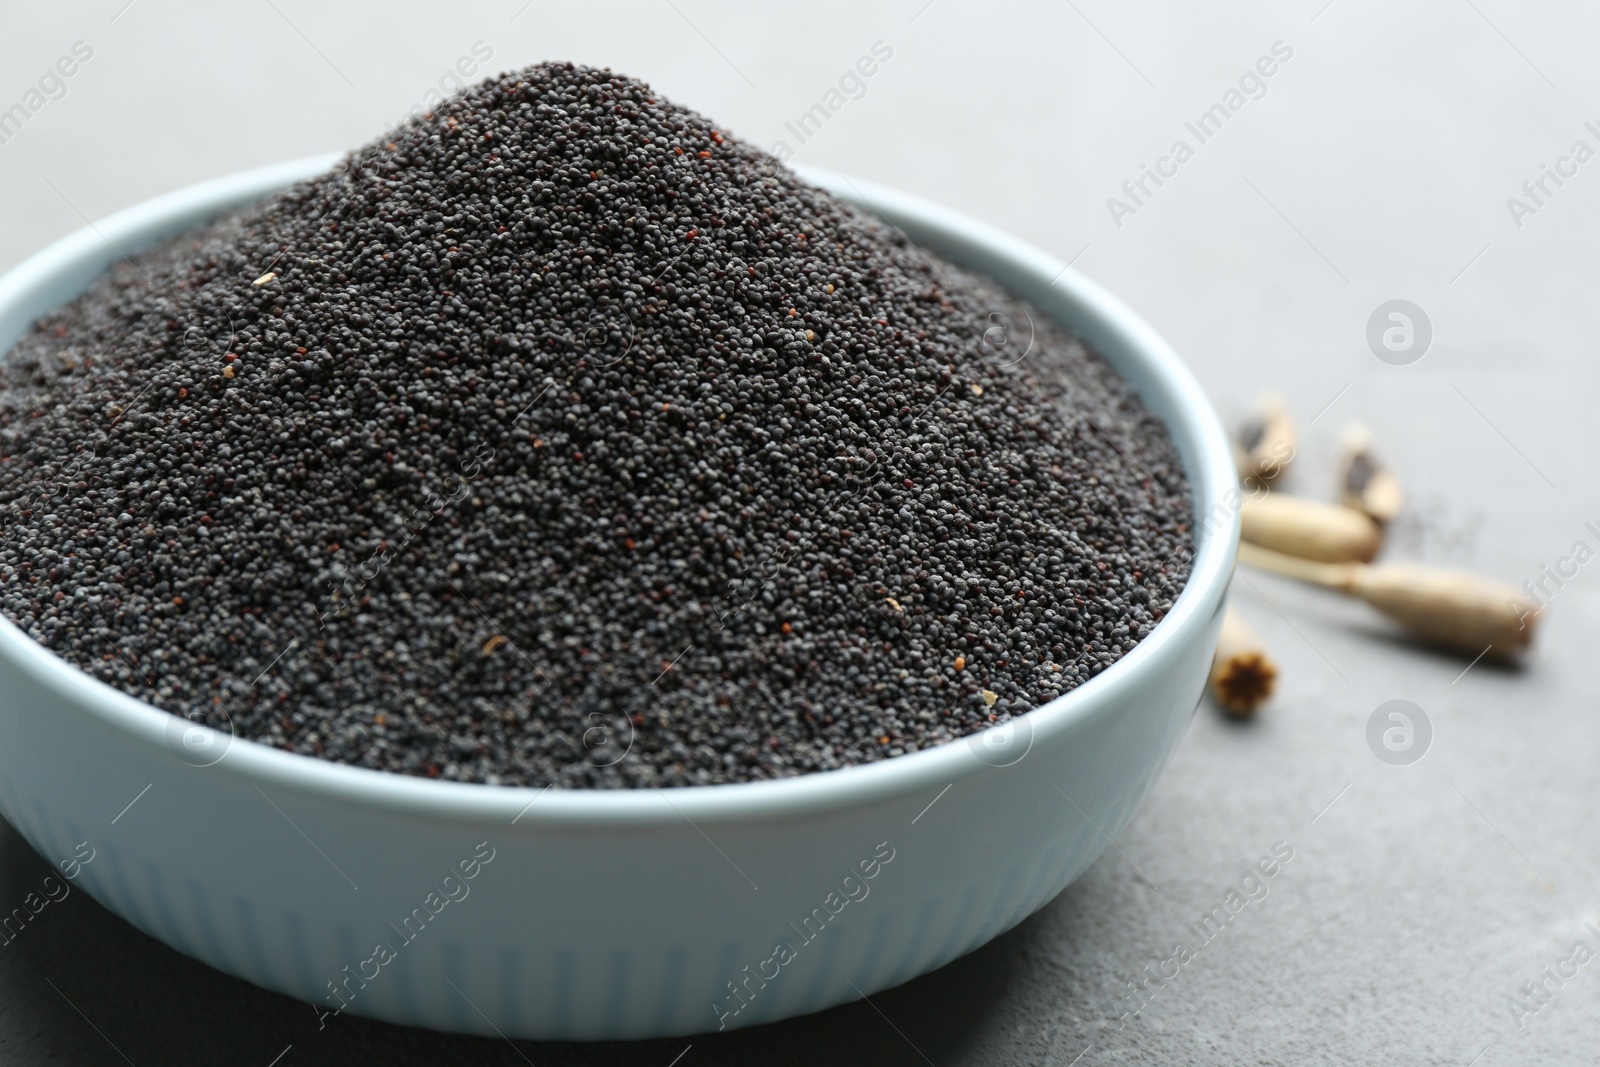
(1211, 477)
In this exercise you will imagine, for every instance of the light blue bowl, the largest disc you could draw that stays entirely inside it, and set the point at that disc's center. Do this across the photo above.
(605, 914)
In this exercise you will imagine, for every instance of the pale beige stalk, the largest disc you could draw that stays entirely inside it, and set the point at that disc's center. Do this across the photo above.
(1309, 529)
(1453, 609)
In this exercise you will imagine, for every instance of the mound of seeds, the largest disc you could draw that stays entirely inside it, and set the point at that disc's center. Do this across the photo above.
(560, 437)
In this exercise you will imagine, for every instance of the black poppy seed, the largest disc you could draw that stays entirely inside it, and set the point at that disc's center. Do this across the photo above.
(559, 423)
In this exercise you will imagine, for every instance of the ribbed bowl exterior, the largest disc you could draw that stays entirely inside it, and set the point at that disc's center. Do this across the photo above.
(612, 914)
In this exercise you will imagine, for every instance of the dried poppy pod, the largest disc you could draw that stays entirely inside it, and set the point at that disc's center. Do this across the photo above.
(1309, 529)
(1265, 442)
(1364, 482)
(1243, 675)
(1452, 609)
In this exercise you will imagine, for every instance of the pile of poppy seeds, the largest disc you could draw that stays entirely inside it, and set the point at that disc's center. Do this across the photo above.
(561, 438)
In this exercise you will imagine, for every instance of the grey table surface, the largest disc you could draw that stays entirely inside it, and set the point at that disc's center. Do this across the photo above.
(1379, 161)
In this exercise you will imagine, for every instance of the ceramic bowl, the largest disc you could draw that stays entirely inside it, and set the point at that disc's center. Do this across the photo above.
(605, 914)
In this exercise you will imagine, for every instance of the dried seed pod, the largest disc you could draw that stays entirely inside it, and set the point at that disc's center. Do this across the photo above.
(1364, 482)
(1265, 443)
(1310, 529)
(1243, 675)
(1453, 609)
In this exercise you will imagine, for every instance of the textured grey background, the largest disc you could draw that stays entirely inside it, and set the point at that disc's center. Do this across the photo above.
(1377, 166)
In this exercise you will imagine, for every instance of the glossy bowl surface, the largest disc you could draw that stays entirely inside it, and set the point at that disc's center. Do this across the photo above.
(605, 914)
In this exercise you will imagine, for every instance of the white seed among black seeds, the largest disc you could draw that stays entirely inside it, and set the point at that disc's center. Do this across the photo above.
(560, 421)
